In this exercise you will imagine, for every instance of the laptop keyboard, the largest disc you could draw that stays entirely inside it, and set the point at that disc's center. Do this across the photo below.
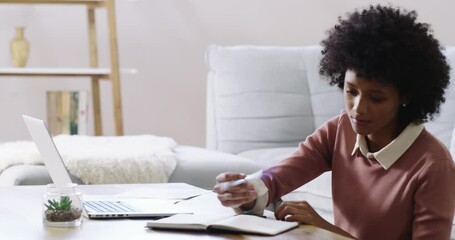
(107, 206)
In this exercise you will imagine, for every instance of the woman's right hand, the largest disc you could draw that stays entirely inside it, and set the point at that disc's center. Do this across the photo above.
(242, 195)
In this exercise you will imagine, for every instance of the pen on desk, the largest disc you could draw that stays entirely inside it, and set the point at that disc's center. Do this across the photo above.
(188, 198)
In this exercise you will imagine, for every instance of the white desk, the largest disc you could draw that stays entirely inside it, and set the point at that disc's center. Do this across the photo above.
(21, 218)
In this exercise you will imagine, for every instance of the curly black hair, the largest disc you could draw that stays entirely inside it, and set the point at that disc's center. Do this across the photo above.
(387, 44)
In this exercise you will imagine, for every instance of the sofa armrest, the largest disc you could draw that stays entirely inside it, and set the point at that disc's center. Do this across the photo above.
(25, 175)
(28, 175)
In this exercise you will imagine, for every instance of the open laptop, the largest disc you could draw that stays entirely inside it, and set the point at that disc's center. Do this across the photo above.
(95, 208)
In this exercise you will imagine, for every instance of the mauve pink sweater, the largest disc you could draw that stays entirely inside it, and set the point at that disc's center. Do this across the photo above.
(413, 199)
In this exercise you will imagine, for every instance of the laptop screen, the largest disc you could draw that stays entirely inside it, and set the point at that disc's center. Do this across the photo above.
(46, 146)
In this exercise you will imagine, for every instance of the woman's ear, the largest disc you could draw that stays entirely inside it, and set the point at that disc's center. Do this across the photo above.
(404, 101)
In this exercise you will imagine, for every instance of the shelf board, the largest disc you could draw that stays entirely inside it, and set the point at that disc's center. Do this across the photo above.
(75, 2)
(102, 73)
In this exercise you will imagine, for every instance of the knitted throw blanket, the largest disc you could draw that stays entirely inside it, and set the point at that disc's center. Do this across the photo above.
(103, 160)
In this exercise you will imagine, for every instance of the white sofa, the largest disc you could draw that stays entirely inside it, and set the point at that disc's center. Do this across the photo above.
(261, 102)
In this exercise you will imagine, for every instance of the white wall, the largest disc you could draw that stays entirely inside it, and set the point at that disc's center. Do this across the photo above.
(165, 41)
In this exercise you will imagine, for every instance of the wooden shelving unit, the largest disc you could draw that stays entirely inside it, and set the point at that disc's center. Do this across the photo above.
(93, 72)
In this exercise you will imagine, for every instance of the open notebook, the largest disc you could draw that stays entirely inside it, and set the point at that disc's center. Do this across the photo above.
(108, 207)
(236, 223)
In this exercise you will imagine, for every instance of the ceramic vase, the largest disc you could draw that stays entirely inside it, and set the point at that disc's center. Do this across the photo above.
(20, 48)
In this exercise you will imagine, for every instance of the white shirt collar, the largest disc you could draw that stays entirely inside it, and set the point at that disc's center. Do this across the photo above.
(389, 154)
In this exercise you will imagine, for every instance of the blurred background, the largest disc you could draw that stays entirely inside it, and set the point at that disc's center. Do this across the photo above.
(165, 41)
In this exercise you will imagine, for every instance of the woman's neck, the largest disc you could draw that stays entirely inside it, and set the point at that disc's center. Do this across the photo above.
(378, 141)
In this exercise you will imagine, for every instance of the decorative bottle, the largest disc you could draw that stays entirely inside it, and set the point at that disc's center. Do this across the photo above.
(20, 48)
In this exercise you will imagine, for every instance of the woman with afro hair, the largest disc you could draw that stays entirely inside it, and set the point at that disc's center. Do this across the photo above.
(391, 178)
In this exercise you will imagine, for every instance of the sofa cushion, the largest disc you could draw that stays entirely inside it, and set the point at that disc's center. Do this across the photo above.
(442, 125)
(316, 192)
(255, 88)
(268, 156)
(199, 166)
(320, 89)
(452, 151)
(452, 143)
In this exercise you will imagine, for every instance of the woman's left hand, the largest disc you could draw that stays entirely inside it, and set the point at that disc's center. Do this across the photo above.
(300, 211)
(303, 213)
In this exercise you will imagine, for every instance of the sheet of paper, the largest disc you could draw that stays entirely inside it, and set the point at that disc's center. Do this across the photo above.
(206, 203)
(180, 220)
(163, 193)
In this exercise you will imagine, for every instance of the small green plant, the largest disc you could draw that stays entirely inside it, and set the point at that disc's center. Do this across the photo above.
(61, 211)
(63, 205)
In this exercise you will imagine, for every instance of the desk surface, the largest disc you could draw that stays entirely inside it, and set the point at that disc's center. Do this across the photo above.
(21, 218)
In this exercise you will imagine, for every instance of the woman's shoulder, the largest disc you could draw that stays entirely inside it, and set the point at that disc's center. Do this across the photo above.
(338, 125)
(341, 121)
(428, 138)
(432, 148)
(341, 118)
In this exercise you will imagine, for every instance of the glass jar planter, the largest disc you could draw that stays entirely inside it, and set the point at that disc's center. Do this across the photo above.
(62, 206)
